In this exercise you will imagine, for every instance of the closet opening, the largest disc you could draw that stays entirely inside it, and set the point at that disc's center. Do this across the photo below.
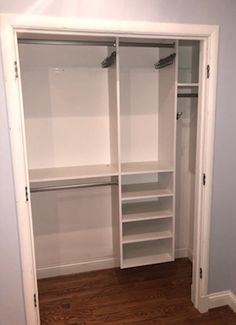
(111, 127)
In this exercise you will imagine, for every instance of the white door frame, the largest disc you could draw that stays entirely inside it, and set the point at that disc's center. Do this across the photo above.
(11, 25)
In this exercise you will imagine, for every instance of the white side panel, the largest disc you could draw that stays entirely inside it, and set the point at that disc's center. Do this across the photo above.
(113, 110)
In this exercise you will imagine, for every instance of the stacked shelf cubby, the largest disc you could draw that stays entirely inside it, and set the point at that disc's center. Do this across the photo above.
(147, 218)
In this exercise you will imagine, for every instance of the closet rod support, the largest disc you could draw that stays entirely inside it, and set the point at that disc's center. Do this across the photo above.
(93, 43)
(69, 187)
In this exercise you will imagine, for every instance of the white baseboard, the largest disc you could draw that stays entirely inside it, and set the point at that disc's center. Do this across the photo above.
(184, 252)
(222, 298)
(102, 264)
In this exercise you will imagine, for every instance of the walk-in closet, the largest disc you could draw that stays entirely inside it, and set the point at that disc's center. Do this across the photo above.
(111, 126)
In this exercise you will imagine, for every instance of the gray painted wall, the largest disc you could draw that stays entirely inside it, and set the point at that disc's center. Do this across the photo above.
(223, 13)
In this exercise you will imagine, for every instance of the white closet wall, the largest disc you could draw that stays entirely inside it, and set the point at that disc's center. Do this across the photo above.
(139, 87)
(66, 104)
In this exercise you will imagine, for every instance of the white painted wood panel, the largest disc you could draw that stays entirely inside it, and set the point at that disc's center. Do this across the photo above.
(139, 104)
(66, 101)
(74, 226)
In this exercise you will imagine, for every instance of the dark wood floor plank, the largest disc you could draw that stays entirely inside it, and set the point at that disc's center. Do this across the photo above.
(158, 294)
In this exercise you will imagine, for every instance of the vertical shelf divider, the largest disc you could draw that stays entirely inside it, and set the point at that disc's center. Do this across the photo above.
(119, 149)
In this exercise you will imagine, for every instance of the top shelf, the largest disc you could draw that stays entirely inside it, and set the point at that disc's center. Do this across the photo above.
(146, 167)
(71, 173)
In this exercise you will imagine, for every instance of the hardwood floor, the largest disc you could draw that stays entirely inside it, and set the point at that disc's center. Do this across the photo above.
(158, 294)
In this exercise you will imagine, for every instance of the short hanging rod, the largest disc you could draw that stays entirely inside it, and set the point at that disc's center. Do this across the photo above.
(195, 95)
(69, 187)
(93, 43)
(139, 44)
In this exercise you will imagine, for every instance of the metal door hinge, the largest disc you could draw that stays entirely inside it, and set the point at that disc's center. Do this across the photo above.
(16, 69)
(26, 194)
(208, 71)
(200, 273)
(204, 179)
(178, 115)
(35, 300)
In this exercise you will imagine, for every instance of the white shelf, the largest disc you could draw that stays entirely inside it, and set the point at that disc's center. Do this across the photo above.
(139, 211)
(147, 260)
(147, 230)
(146, 167)
(135, 238)
(71, 173)
(187, 85)
(144, 191)
(148, 252)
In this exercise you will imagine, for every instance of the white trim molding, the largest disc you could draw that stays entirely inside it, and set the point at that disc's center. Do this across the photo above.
(57, 270)
(222, 298)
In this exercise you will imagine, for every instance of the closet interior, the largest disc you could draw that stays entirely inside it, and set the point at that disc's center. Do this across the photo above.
(111, 128)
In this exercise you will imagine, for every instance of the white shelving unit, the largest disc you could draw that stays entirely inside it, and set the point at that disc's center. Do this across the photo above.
(87, 123)
(147, 157)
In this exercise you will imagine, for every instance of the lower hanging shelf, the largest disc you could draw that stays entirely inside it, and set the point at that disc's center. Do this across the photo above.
(146, 253)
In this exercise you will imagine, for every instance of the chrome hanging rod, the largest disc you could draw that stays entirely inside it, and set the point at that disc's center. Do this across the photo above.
(69, 187)
(94, 43)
